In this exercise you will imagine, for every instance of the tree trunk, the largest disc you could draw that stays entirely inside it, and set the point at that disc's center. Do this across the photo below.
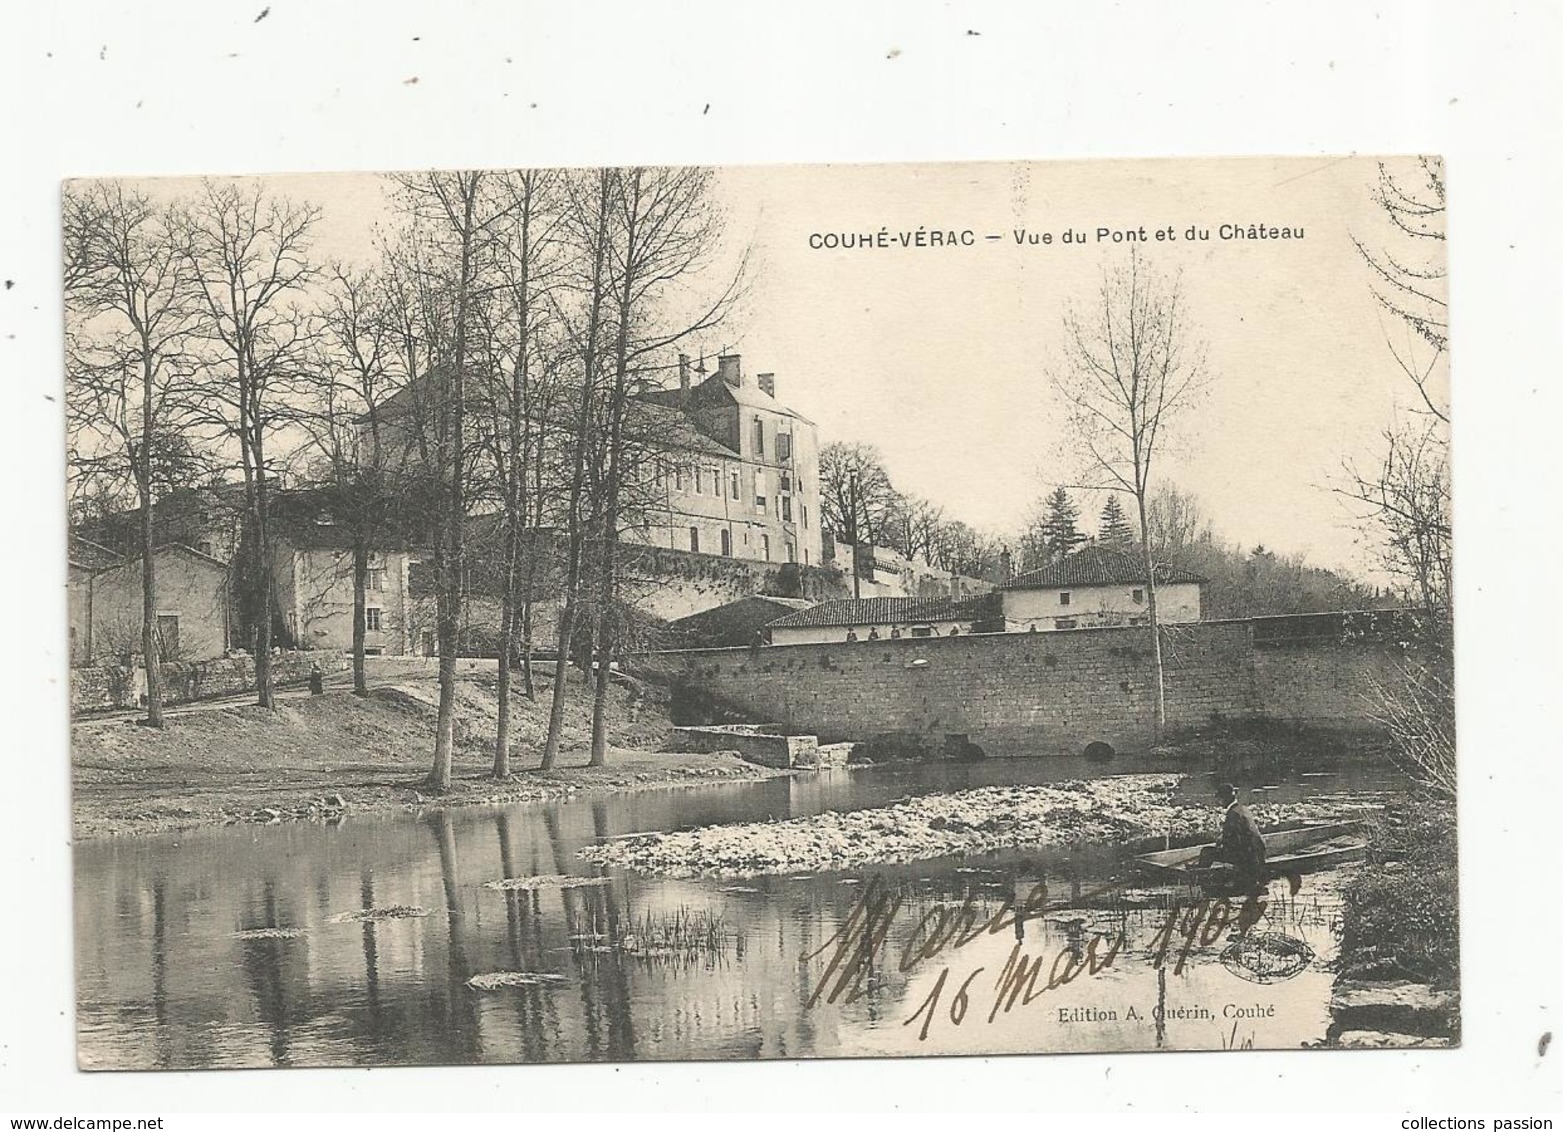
(527, 686)
(507, 629)
(1150, 609)
(360, 625)
(574, 569)
(561, 671)
(150, 649)
(265, 695)
(449, 569)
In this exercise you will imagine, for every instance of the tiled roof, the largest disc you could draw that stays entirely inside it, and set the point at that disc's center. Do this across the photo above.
(882, 611)
(90, 556)
(1098, 566)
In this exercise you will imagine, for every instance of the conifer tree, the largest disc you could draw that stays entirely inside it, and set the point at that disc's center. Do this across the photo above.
(1060, 528)
(1114, 529)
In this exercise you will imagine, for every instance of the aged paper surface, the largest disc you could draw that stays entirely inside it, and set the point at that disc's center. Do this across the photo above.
(645, 614)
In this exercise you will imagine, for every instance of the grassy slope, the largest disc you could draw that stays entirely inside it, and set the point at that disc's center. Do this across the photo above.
(231, 762)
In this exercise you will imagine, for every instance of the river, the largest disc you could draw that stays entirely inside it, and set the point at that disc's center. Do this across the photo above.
(237, 946)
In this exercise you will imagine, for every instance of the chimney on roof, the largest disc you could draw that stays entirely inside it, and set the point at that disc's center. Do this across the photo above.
(729, 370)
(683, 377)
(768, 384)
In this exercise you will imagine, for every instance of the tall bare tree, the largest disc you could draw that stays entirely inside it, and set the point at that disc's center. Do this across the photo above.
(519, 338)
(130, 310)
(455, 217)
(1131, 365)
(589, 214)
(1407, 492)
(664, 226)
(249, 255)
(856, 494)
(351, 380)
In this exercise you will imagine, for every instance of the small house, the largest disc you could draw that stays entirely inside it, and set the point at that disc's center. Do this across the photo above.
(1097, 587)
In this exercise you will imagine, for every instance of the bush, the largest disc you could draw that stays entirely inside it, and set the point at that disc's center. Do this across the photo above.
(1402, 916)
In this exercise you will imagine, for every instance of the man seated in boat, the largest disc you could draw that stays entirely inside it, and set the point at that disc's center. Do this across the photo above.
(1240, 845)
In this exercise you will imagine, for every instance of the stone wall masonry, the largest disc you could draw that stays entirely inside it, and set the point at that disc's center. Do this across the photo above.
(1036, 693)
(752, 745)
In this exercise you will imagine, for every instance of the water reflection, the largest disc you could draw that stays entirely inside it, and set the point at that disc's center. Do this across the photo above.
(237, 947)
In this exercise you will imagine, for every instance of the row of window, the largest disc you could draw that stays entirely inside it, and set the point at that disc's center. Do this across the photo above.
(727, 544)
(1137, 596)
(703, 481)
(782, 503)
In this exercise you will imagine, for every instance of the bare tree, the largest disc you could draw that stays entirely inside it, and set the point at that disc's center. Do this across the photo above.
(855, 491)
(456, 221)
(130, 311)
(1407, 493)
(912, 526)
(518, 337)
(1131, 365)
(664, 226)
(352, 379)
(249, 258)
(589, 212)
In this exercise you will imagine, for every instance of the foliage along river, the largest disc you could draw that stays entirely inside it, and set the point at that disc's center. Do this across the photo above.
(237, 946)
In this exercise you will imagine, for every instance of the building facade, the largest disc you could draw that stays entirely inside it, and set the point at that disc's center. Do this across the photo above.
(191, 599)
(1097, 587)
(745, 484)
(313, 585)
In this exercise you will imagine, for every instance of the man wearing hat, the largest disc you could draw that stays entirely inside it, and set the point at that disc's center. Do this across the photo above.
(1240, 844)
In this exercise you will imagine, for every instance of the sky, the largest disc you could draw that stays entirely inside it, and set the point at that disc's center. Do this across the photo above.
(940, 356)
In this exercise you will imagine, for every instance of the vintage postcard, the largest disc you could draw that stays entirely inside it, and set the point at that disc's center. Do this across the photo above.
(535, 615)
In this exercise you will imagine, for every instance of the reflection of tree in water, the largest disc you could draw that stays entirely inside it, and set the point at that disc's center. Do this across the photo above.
(266, 970)
(160, 972)
(459, 1009)
(605, 997)
(536, 1017)
(371, 948)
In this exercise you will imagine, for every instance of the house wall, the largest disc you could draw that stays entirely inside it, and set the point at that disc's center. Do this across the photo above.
(1035, 693)
(837, 634)
(789, 518)
(79, 610)
(315, 590)
(191, 588)
(1176, 603)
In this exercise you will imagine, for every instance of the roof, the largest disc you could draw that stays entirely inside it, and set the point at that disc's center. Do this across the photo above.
(715, 390)
(90, 556)
(672, 429)
(736, 622)
(1098, 566)
(177, 548)
(883, 611)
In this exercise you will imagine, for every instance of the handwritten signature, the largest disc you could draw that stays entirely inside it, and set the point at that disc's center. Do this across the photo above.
(860, 944)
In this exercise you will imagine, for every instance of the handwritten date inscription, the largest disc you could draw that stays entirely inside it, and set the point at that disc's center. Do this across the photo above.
(859, 947)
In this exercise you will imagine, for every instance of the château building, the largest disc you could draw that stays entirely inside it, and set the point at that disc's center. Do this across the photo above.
(745, 483)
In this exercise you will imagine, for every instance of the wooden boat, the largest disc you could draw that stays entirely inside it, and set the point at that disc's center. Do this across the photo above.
(1288, 852)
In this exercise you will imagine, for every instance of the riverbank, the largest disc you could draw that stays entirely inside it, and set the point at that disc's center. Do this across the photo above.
(326, 756)
(1399, 968)
(1119, 810)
